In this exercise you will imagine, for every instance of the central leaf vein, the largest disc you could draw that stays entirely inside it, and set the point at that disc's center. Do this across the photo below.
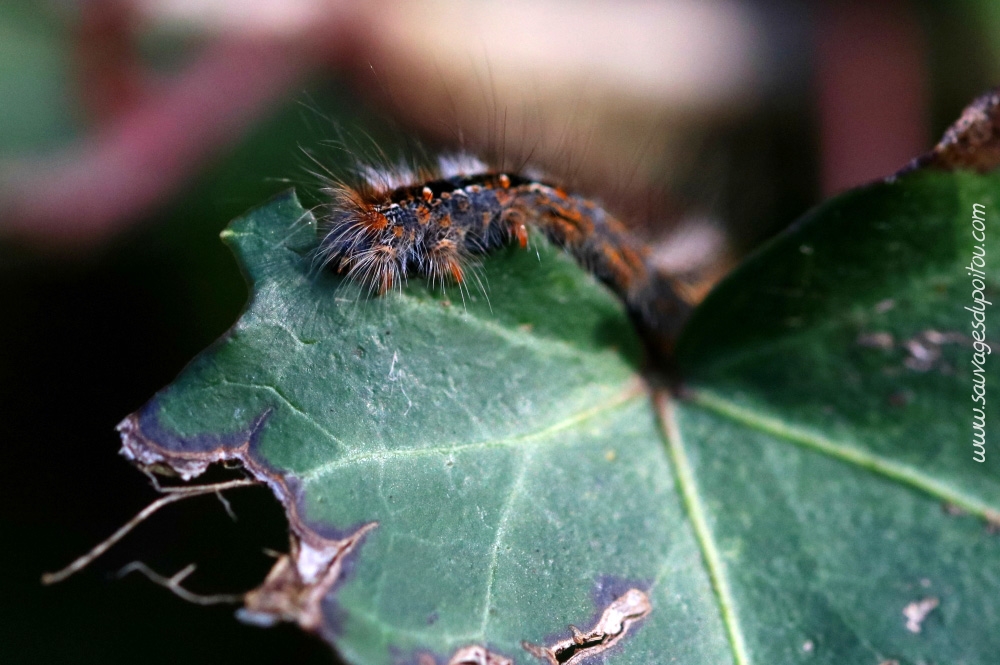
(696, 511)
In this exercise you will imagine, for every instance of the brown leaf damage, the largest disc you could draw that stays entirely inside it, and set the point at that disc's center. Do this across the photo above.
(294, 589)
(297, 583)
(972, 142)
(614, 623)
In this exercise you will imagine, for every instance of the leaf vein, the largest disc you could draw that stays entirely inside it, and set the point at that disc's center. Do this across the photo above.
(277, 393)
(901, 473)
(618, 401)
(703, 533)
(515, 490)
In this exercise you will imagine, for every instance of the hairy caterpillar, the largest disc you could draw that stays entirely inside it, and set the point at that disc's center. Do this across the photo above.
(431, 222)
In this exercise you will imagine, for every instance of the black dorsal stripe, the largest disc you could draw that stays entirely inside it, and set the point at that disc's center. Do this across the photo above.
(449, 185)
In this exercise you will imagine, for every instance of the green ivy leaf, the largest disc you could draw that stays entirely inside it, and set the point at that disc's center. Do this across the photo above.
(827, 432)
(466, 477)
(490, 471)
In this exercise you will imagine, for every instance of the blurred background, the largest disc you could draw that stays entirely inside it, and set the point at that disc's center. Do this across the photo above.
(132, 131)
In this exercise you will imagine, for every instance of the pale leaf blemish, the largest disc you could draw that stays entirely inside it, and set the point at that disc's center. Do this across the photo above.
(478, 655)
(883, 306)
(922, 356)
(614, 623)
(397, 376)
(917, 611)
(924, 349)
(876, 340)
(952, 509)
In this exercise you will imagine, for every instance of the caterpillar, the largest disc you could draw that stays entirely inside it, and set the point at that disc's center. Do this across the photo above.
(432, 222)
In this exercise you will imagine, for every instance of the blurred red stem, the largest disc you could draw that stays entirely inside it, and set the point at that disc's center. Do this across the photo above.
(144, 155)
